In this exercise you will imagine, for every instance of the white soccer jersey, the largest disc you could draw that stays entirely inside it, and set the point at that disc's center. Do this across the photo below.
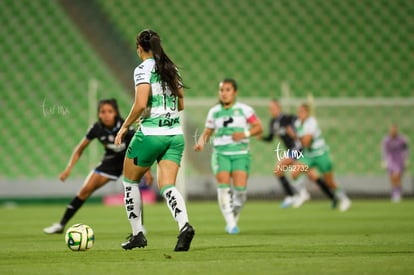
(161, 116)
(225, 122)
(310, 127)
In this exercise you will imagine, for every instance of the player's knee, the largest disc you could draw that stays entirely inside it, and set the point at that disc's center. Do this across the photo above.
(312, 175)
(278, 172)
(86, 192)
(223, 177)
(84, 195)
(294, 174)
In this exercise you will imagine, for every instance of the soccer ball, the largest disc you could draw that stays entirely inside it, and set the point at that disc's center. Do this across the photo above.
(79, 237)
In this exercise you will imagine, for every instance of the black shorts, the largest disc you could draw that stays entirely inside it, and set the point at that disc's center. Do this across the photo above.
(111, 167)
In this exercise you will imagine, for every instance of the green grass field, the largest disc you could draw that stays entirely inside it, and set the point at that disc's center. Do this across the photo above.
(374, 237)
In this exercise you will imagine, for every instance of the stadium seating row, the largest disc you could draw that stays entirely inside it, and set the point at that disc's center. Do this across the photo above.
(329, 48)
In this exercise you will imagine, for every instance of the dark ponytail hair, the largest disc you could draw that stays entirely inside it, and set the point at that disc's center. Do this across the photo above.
(114, 105)
(164, 67)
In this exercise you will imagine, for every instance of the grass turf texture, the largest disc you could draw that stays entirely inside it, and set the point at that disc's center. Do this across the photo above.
(374, 237)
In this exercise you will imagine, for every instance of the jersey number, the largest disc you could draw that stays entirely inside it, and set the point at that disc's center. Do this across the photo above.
(173, 100)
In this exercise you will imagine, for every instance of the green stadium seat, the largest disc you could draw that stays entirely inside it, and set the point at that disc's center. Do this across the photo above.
(45, 58)
(329, 48)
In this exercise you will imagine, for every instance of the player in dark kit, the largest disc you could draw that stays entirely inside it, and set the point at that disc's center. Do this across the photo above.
(282, 125)
(111, 166)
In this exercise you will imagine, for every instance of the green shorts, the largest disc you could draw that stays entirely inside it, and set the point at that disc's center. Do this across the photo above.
(322, 162)
(144, 150)
(230, 163)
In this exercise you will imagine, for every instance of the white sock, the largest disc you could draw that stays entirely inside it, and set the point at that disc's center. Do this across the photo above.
(224, 200)
(133, 205)
(176, 204)
(239, 198)
(340, 194)
(300, 184)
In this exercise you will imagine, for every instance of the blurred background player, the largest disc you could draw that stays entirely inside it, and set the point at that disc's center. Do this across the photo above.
(394, 156)
(233, 123)
(282, 125)
(159, 97)
(110, 168)
(316, 155)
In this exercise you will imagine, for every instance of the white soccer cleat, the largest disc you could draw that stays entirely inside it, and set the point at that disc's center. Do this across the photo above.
(55, 228)
(232, 230)
(301, 198)
(287, 202)
(344, 204)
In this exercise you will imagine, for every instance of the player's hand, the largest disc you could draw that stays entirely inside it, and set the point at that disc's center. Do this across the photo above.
(64, 175)
(120, 135)
(198, 147)
(149, 179)
(238, 136)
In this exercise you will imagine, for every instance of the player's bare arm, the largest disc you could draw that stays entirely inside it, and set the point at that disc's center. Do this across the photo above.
(142, 92)
(202, 140)
(255, 130)
(306, 141)
(77, 152)
(180, 99)
(291, 132)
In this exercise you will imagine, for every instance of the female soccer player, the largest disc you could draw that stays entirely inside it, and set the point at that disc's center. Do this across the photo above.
(316, 155)
(230, 120)
(394, 155)
(110, 168)
(159, 96)
(283, 126)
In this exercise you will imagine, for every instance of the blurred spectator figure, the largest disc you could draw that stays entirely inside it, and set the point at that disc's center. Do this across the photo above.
(394, 157)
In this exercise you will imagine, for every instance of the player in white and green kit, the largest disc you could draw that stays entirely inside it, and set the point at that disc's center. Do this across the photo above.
(159, 97)
(232, 123)
(316, 156)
